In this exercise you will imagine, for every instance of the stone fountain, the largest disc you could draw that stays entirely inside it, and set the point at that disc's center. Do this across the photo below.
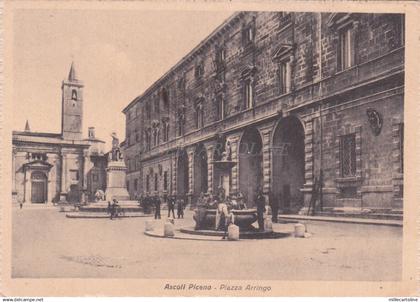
(115, 189)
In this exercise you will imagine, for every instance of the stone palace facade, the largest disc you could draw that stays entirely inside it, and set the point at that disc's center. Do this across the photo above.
(297, 97)
(52, 167)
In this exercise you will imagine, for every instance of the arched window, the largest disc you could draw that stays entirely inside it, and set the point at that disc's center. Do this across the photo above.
(74, 94)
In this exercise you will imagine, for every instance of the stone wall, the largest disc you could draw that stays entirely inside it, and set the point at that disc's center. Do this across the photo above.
(308, 44)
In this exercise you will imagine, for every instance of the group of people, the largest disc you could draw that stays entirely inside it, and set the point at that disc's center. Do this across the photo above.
(224, 204)
(171, 201)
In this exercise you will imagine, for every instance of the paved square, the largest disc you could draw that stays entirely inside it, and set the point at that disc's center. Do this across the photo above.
(46, 244)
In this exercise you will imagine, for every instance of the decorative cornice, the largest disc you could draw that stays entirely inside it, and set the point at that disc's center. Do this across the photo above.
(189, 57)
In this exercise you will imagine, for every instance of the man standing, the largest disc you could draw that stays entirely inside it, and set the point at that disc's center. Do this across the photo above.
(180, 207)
(157, 206)
(171, 206)
(260, 210)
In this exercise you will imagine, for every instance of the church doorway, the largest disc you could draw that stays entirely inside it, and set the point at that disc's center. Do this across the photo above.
(38, 187)
(288, 153)
(250, 165)
(182, 174)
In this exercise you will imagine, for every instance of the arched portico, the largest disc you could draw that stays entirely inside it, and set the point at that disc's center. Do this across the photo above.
(182, 182)
(288, 155)
(200, 170)
(250, 164)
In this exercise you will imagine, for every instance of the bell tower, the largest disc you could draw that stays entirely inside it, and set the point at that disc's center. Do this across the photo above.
(72, 106)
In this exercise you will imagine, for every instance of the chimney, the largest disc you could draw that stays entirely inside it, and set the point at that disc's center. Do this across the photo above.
(91, 132)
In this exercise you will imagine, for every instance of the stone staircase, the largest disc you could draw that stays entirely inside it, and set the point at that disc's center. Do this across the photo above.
(383, 214)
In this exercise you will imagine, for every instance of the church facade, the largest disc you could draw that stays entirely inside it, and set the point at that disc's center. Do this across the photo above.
(53, 167)
(310, 105)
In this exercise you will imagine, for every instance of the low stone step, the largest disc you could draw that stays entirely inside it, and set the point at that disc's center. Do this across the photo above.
(390, 216)
(105, 215)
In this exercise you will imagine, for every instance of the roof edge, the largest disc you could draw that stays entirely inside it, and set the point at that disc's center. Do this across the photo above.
(229, 21)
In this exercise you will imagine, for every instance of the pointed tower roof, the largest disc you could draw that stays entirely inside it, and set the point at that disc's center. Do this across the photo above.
(72, 74)
(27, 128)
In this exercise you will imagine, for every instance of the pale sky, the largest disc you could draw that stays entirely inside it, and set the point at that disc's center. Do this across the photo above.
(117, 54)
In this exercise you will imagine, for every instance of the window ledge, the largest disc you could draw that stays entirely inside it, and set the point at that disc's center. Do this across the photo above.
(345, 181)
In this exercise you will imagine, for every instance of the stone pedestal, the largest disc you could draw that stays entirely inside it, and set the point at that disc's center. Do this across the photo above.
(116, 181)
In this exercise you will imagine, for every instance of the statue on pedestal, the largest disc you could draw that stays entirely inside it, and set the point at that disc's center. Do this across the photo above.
(116, 154)
(227, 154)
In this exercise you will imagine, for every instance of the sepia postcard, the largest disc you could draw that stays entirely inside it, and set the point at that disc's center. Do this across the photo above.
(209, 148)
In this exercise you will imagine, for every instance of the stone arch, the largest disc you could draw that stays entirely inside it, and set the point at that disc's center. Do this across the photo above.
(288, 160)
(200, 170)
(250, 164)
(182, 174)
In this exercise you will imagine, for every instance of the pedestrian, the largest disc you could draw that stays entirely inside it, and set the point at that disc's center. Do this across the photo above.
(260, 210)
(114, 208)
(274, 204)
(111, 209)
(180, 208)
(224, 218)
(156, 200)
(21, 204)
(171, 206)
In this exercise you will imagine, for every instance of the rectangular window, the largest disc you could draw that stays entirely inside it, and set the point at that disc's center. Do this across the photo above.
(248, 95)
(199, 71)
(199, 116)
(180, 128)
(165, 99)
(148, 111)
(248, 35)
(157, 107)
(165, 180)
(220, 108)
(220, 58)
(348, 155)
(346, 49)
(135, 184)
(156, 182)
(284, 77)
(147, 183)
(165, 132)
(128, 185)
(74, 175)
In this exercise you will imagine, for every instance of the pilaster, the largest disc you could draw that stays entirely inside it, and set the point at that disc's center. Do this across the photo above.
(174, 163)
(190, 153)
(266, 134)
(234, 144)
(210, 173)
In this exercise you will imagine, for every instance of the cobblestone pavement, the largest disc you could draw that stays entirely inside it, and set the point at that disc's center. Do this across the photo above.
(47, 244)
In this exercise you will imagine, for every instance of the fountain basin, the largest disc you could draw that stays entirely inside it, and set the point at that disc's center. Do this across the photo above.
(205, 219)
